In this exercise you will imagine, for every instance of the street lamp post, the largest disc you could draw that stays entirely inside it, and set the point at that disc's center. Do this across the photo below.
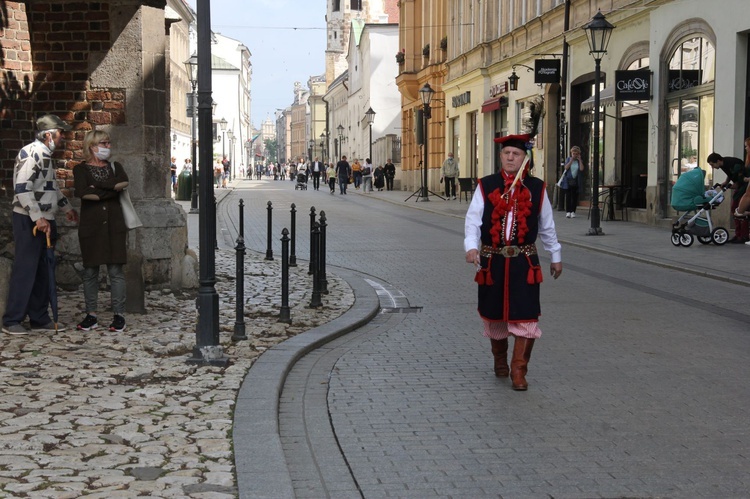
(191, 65)
(223, 127)
(340, 152)
(425, 93)
(598, 31)
(208, 349)
(310, 145)
(323, 146)
(230, 136)
(370, 117)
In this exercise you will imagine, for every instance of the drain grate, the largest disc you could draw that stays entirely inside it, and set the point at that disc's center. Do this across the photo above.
(400, 310)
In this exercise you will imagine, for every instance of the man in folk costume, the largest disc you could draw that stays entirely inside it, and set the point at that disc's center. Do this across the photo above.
(502, 225)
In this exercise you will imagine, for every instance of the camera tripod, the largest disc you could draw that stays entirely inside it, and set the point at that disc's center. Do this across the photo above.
(423, 191)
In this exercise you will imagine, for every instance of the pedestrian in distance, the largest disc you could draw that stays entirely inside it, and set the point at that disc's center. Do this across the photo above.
(501, 228)
(36, 201)
(343, 172)
(390, 174)
(173, 173)
(331, 175)
(737, 173)
(449, 174)
(102, 233)
(378, 176)
(317, 168)
(357, 173)
(572, 169)
(367, 176)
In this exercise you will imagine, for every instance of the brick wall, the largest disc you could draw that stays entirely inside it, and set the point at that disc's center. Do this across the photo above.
(47, 52)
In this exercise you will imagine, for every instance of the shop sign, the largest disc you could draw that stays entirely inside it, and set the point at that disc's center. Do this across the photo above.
(461, 99)
(499, 89)
(681, 80)
(633, 85)
(547, 71)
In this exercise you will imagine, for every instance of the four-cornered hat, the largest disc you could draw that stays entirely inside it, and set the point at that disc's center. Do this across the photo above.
(522, 141)
(52, 122)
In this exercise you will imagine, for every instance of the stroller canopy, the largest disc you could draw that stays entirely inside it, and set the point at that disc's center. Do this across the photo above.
(689, 191)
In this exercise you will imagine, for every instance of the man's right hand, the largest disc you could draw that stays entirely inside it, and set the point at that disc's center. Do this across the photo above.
(42, 225)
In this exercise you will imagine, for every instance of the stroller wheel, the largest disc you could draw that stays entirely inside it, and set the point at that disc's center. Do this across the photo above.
(686, 240)
(676, 238)
(705, 239)
(720, 236)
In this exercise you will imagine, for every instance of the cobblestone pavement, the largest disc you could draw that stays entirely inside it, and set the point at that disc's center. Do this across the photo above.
(106, 414)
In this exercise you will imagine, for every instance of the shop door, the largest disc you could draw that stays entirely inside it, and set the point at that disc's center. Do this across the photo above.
(635, 158)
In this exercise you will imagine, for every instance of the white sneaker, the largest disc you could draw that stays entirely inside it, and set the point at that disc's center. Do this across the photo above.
(572, 215)
(567, 215)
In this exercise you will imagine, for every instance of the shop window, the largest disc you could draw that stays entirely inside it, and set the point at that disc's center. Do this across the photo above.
(691, 65)
(690, 110)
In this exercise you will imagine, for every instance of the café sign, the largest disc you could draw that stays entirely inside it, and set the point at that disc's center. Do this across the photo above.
(633, 85)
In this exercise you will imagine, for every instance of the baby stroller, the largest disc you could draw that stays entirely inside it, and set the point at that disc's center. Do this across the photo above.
(688, 195)
(301, 182)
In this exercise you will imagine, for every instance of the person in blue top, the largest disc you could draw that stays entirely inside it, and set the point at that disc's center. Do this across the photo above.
(574, 166)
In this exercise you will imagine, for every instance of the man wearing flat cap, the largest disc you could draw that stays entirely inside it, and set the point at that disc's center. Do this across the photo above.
(508, 212)
(36, 201)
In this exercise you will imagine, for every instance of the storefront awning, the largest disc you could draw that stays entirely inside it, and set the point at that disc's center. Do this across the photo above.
(494, 104)
(606, 98)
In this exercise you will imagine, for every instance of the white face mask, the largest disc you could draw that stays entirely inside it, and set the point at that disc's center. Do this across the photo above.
(51, 146)
(103, 153)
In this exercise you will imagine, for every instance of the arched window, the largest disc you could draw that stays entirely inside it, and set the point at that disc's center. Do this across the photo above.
(690, 107)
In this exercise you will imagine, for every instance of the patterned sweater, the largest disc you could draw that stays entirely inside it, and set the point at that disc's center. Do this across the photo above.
(36, 192)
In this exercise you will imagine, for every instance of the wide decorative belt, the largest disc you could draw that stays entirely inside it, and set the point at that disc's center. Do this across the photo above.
(508, 251)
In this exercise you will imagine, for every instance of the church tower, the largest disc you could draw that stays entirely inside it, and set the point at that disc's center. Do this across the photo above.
(338, 26)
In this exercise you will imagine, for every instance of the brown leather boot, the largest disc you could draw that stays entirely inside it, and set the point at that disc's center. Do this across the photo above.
(500, 353)
(520, 361)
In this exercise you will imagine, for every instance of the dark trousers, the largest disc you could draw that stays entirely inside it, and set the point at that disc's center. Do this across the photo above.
(29, 277)
(342, 185)
(571, 198)
(316, 180)
(389, 183)
(450, 187)
(332, 183)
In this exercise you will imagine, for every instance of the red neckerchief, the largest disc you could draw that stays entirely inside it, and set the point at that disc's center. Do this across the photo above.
(518, 201)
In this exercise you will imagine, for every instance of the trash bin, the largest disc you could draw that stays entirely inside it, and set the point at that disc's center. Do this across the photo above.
(184, 186)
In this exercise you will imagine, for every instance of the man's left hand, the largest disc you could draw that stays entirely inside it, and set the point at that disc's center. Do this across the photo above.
(555, 269)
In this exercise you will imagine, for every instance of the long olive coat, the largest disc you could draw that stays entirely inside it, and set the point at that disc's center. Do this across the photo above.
(102, 232)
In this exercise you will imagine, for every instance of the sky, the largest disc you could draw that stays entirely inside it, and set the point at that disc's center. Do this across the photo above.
(287, 40)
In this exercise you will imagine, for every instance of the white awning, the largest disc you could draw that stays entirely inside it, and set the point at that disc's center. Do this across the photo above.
(606, 98)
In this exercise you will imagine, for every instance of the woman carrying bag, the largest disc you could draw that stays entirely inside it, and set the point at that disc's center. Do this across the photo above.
(569, 182)
(102, 232)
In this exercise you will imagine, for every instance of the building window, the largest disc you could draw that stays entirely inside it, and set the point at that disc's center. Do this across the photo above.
(336, 5)
(356, 4)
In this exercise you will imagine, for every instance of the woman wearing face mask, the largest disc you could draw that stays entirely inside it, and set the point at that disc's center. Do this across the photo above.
(102, 232)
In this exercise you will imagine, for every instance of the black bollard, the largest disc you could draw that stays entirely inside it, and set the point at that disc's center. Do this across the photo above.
(312, 226)
(322, 253)
(315, 238)
(269, 251)
(284, 315)
(239, 322)
(216, 229)
(293, 254)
